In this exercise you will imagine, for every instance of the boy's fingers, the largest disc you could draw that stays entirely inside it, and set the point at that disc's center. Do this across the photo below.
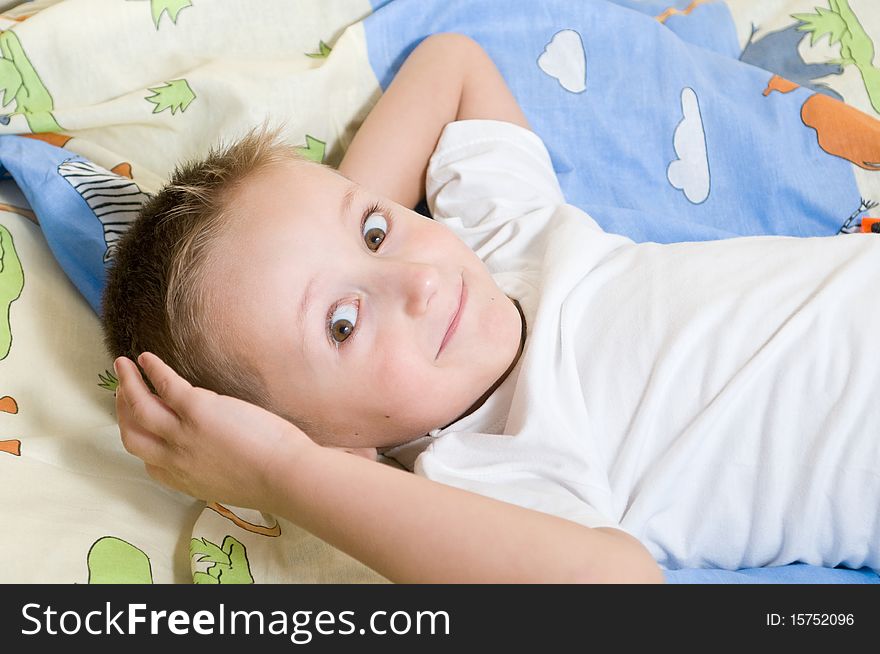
(145, 408)
(135, 439)
(170, 386)
(138, 441)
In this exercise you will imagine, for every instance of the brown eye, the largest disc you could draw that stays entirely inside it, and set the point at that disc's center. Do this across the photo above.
(342, 320)
(374, 238)
(341, 329)
(375, 229)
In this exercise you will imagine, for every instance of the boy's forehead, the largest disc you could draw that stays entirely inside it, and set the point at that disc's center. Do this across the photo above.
(304, 181)
(286, 202)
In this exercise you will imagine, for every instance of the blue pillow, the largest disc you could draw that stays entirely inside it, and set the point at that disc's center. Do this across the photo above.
(82, 208)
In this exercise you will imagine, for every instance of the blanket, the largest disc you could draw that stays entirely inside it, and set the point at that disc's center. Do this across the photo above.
(666, 121)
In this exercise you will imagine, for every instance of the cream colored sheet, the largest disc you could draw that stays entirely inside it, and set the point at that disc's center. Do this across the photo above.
(76, 507)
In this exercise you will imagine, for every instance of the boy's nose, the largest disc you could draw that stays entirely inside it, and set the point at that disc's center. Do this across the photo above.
(419, 283)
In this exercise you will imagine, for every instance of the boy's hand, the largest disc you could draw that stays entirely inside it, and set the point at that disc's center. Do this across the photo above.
(210, 446)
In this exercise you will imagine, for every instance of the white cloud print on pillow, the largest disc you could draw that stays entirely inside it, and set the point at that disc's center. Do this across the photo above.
(564, 60)
(690, 172)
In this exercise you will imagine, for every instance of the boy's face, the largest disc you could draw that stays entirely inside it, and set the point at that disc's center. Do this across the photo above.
(375, 330)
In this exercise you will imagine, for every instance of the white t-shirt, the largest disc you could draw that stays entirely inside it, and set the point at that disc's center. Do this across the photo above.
(719, 401)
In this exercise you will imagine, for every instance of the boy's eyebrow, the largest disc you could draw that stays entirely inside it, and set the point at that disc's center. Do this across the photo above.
(347, 201)
(304, 305)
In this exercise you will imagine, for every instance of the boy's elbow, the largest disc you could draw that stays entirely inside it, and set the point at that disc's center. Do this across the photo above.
(625, 561)
(451, 43)
(652, 573)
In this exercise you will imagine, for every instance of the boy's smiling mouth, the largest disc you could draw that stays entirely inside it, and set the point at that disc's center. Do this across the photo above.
(456, 318)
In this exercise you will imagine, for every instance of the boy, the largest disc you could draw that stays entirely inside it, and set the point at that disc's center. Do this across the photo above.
(625, 402)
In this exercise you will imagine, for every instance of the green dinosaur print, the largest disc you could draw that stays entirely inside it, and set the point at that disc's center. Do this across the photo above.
(323, 52)
(175, 95)
(842, 26)
(11, 284)
(173, 7)
(111, 560)
(20, 83)
(229, 563)
(108, 381)
(313, 150)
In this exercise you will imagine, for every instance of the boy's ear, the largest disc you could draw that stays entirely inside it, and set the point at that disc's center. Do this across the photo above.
(365, 452)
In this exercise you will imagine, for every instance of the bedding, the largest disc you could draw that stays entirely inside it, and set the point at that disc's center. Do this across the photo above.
(666, 121)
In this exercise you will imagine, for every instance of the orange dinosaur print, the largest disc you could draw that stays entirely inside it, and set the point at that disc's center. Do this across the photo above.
(52, 138)
(18, 19)
(9, 405)
(780, 84)
(123, 169)
(842, 131)
(672, 11)
(11, 447)
(264, 530)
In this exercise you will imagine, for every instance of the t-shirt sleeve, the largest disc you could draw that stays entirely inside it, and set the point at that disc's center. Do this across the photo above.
(485, 174)
(515, 485)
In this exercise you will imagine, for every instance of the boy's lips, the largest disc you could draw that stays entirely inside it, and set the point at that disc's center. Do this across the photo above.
(456, 318)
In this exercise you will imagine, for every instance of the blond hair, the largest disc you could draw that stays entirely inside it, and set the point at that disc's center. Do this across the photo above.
(156, 299)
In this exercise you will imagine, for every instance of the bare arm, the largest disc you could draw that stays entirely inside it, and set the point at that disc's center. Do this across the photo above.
(447, 77)
(405, 527)
(414, 530)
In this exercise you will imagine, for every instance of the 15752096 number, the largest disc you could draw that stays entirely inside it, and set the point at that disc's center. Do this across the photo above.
(810, 619)
(822, 619)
